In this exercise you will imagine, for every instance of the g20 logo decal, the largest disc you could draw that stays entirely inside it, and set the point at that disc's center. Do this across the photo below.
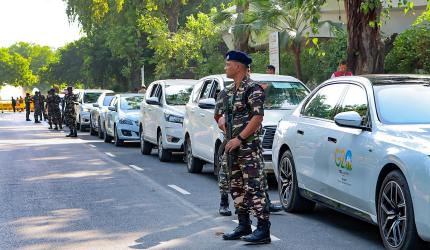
(343, 158)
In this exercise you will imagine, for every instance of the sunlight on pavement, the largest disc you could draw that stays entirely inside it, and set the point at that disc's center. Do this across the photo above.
(78, 174)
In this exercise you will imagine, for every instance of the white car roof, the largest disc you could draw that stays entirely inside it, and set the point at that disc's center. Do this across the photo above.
(97, 91)
(179, 81)
(130, 94)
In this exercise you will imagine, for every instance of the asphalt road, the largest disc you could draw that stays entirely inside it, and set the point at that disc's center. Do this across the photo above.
(63, 193)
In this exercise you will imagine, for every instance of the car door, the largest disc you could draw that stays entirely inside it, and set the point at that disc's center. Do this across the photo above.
(191, 123)
(109, 117)
(150, 116)
(349, 156)
(203, 119)
(310, 152)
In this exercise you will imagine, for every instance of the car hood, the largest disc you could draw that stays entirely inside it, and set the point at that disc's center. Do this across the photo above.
(414, 137)
(175, 110)
(88, 106)
(132, 115)
(273, 116)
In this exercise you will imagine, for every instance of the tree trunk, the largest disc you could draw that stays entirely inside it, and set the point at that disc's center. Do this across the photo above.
(365, 48)
(241, 33)
(172, 14)
(297, 61)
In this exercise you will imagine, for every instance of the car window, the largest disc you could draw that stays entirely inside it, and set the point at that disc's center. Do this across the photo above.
(323, 103)
(217, 89)
(113, 102)
(196, 92)
(178, 94)
(153, 90)
(355, 100)
(107, 100)
(91, 97)
(130, 102)
(282, 94)
(207, 87)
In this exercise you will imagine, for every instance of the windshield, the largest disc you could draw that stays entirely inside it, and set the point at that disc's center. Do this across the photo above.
(403, 104)
(283, 95)
(91, 97)
(107, 100)
(131, 102)
(178, 94)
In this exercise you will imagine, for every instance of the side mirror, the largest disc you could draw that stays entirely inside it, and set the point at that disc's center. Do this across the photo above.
(350, 119)
(153, 101)
(112, 108)
(208, 103)
(96, 105)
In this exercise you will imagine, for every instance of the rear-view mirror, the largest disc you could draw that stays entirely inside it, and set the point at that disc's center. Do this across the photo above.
(112, 108)
(95, 105)
(152, 101)
(208, 103)
(349, 119)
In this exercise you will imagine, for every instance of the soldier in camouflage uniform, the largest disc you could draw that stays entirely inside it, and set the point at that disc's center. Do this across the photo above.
(54, 112)
(69, 111)
(37, 100)
(246, 98)
(27, 101)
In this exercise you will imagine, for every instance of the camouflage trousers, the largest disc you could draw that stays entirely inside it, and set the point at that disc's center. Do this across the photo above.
(70, 120)
(37, 113)
(54, 116)
(247, 181)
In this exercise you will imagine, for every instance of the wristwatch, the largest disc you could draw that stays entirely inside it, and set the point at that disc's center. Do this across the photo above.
(241, 139)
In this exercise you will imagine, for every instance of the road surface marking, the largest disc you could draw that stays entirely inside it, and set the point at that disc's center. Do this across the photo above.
(136, 167)
(110, 154)
(180, 190)
(93, 146)
(274, 238)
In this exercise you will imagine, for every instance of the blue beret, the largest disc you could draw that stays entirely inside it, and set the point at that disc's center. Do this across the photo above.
(238, 56)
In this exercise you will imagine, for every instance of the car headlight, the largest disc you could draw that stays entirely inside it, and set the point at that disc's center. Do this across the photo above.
(174, 118)
(126, 121)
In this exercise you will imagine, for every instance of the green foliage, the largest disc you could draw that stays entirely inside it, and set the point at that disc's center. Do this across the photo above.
(410, 53)
(15, 69)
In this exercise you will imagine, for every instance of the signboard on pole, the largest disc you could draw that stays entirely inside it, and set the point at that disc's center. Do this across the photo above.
(142, 73)
(274, 55)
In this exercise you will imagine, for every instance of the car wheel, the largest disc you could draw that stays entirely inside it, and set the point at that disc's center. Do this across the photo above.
(396, 219)
(100, 132)
(92, 132)
(118, 142)
(145, 147)
(107, 138)
(194, 165)
(288, 188)
(163, 154)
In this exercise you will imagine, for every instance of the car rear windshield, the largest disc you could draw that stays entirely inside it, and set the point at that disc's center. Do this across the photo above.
(403, 104)
(178, 94)
(131, 102)
(91, 97)
(283, 95)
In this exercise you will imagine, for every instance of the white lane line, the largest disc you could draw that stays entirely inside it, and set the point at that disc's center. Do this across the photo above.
(110, 154)
(180, 190)
(93, 146)
(274, 238)
(136, 167)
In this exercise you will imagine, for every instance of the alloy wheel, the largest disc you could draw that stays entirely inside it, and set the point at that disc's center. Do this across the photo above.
(393, 214)
(285, 182)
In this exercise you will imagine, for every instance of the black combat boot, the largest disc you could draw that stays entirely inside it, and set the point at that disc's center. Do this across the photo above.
(224, 210)
(272, 207)
(61, 126)
(244, 228)
(75, 133)
(36, 120)
(261, 235)
(50, 126)
(70, 134)
(56, 127)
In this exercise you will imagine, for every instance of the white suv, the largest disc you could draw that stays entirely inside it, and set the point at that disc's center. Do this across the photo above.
(162, 115)
(201, 133)
(86, 99)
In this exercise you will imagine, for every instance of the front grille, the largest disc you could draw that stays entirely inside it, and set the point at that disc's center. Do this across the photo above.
(268, 135)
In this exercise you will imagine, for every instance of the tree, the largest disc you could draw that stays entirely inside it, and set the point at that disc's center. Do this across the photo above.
(15, 69)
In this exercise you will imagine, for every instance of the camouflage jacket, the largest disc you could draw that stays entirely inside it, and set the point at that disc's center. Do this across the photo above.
(248, 101)
(69, 100)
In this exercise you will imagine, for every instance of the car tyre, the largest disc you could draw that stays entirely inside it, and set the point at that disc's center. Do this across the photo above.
(100, 132)
(118, 142)
(164, 155)
(145, 147)
(396, 219)
(194, 165)
(107, 138)
(92, 132)
(288, 188)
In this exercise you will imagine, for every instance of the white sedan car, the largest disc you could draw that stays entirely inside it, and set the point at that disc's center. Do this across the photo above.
(361, 145)
(122, 119)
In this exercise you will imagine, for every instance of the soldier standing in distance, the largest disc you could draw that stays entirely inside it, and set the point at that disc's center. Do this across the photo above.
(69, 111)
(244, 100)
(42, 108)
(53, 107)
(27, 101)
(37, 99)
